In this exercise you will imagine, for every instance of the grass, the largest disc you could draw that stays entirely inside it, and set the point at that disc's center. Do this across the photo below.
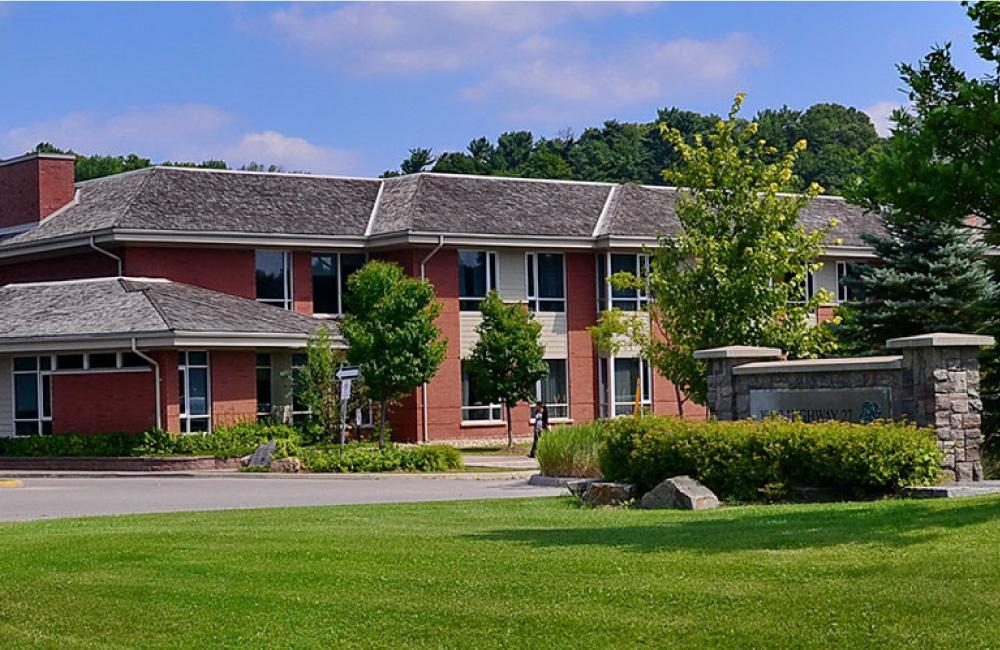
(518, 573)
(519, 449)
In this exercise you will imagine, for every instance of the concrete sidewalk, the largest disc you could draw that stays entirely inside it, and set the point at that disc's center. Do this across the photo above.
(46, 498)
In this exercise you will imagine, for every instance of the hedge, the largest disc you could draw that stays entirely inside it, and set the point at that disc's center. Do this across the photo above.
(572, 450)
(762, 460)
(359, 457)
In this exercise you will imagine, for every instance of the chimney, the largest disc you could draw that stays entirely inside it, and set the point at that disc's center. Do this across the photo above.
(34, 186)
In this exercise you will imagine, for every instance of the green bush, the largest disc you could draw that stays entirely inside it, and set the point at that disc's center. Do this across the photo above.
(572, 450)
(226, 442)
(366, 458)
(755, 460)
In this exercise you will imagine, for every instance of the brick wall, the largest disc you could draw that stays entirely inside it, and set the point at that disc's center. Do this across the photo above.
(234, 386)
(302, 293)
(63, 267)
(581, 312)
(170, 409)
(34, 188)
(229, 270)
(103, 402)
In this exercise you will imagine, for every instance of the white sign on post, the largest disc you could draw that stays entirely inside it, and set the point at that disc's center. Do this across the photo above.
(346, 375)
(348, 372)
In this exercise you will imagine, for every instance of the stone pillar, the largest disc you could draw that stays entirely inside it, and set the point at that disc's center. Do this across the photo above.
(722, 400)
(943, 371)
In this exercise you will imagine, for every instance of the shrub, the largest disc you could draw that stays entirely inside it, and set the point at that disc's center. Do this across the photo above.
(572, 450)
(754, 460)
(366, 458)
(224, 442)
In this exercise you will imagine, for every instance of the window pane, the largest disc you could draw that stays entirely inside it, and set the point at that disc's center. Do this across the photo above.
(197, 358)
(26, 428)
(626, 376)
(103, 360)
(554, 387)
(133, 360)
(182, 390)
(349, 264)
(620, 263)
(69, 361)
(602, 282)
(45, 363)
(197, 391)
(263, 390)
(471, 274)
(325, 284)
(271, 275)
(25, 363)
(25, 397)
(46, 396)
(198, 425)
(263, 360)
(299, 359)
(530, 262)
(550, 275)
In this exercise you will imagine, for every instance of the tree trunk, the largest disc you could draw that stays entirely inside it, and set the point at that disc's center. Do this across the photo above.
(680, 400)
(510, 425)
(381, 425)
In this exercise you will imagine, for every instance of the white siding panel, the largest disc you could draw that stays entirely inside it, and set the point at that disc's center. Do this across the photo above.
(6, 398)
(512, 283)
(826, 277)
(553, 335)
(469, 321)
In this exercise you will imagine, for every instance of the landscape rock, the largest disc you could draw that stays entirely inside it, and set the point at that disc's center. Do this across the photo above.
(287, 465)
(608, 494)
(578, 486)
(261, 457)
(680, 492)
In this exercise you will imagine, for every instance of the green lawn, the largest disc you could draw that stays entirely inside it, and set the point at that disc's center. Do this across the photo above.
(521, 574)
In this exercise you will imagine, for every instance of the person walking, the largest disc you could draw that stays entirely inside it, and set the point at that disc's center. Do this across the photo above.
(541, 416)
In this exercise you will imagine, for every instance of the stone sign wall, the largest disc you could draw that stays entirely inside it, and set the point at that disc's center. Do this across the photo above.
(933, 381)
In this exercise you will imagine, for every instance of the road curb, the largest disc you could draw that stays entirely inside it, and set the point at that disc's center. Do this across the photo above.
(467, 476)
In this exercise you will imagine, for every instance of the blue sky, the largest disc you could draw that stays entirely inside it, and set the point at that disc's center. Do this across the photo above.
(348, 88)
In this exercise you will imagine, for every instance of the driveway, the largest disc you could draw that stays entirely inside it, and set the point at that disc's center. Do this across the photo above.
(47, 498)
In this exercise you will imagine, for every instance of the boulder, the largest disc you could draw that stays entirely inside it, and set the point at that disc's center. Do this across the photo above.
(578, 486)
(608, 494)
(286, 465)
(261, 457)
(681, 492)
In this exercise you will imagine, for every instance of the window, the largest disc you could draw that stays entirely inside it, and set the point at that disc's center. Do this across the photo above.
(625, 376)
(274, 278)
(102, 360)
(69, 362)
(805, 291)
(546, 286)
(329, 280)
(624, 299)
(477, 276)
(300, 412)
(264, 405)
(553, 391)
(32, 396)
(848, 277)
(473, 408)
(194, 389)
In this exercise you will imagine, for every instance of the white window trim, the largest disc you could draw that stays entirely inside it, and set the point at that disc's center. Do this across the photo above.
(186, 418)
(531, 277)
(606, 383)
(566, 404)
(88, 370)
(492, 283)
(642, 261)
(496, 410)
(39, 384)
(341, 280)
(288, 262)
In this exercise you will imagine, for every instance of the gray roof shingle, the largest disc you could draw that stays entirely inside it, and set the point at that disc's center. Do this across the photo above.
(165, 198)
(132, 306)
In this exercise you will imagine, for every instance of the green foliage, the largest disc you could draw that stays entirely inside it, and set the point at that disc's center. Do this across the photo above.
(227, 442)
(365, 458)
(390, 332)
(731, 275)
(755, 460)
(317, 386)
(572, 450)
(508, 359)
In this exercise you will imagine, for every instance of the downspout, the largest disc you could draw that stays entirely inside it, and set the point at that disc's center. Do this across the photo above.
(109, 254)
(156, 380)
(423, 389)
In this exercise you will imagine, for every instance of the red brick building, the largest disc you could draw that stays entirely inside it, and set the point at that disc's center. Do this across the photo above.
(255, 260)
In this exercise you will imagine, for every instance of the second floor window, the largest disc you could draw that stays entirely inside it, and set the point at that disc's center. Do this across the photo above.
(848, 275)
(477, 276)
(625, 299)
(274, 278)
(546, 285)
(330, 272)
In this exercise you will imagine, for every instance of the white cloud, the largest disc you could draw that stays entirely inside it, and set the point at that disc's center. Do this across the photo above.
(188, 132)
(525, 58)
(881, 114)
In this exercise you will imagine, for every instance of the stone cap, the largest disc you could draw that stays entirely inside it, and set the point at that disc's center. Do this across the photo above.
(940, 340)
(738, 352)
(821, 365)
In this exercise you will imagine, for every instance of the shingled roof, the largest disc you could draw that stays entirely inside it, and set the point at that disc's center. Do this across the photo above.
(121, 306)
(179, 199)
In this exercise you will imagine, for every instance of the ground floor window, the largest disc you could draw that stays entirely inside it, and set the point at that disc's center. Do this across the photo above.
(195, 391)
(474, 409)
(621, 380)
(264, 405)
(300, 412)
(553, 391)
(32, 396)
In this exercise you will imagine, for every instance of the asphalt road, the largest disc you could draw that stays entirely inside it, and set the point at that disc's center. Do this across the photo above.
(47, 498)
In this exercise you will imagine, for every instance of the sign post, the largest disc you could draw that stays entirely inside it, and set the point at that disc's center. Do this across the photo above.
(346, 375)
